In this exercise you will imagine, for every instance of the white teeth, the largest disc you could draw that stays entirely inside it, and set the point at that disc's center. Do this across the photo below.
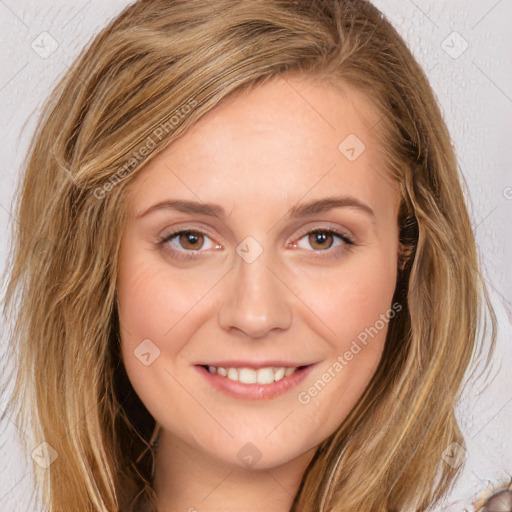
(279, 374)
(247, 376)
(251, 376)
(289, 371)
(265, 376)
(233, 374)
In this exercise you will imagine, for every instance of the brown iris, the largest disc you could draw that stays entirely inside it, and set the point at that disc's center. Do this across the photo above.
(191, 237)
(320, 237)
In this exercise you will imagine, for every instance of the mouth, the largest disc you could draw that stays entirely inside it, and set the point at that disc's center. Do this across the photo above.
(248, 383)
(247, 375)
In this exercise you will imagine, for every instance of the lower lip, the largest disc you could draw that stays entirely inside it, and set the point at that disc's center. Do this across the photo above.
(255, 391)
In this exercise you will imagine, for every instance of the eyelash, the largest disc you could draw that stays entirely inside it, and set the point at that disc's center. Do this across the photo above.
(349, 243)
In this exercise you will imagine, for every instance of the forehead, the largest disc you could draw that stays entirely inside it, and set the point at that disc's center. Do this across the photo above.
(279, 141)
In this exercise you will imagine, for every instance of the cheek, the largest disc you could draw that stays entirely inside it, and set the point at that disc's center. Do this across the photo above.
(354, 296)
(357, 308)
(151, 310)
(159, 308)
(153, 302)
(361, 302)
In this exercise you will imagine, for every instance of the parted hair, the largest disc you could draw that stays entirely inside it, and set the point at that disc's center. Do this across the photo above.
(151, 73)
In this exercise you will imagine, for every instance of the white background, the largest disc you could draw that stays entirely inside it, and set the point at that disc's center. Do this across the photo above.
(475, 93)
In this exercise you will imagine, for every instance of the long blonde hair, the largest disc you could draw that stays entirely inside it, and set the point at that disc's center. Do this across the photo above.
(148, 76)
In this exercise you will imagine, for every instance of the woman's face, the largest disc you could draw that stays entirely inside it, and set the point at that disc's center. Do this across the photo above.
(248, 285)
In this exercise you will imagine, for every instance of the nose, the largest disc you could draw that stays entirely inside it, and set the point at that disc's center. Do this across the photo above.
(257, 298)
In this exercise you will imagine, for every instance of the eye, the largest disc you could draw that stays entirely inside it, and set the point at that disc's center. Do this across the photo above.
(322, 240)
(186, 244)
(181, 242)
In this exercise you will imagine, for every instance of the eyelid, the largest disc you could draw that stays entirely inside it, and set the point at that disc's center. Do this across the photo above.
(180, 229)
(317, 226)
(325, 226)
(332, 253)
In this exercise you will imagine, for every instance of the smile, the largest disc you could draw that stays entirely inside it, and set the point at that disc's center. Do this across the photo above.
(266, 375)
(254, 384)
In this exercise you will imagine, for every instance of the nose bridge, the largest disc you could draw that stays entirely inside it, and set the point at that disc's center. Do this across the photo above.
(256, 300)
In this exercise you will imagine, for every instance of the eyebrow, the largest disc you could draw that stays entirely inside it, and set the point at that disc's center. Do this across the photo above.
(300, 210)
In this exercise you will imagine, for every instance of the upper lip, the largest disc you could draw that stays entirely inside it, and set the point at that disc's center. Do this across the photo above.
(255, 364)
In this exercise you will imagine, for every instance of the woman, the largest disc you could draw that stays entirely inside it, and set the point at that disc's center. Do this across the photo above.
(244, 371)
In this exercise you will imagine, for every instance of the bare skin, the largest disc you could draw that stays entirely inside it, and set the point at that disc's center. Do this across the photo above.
(302, 300)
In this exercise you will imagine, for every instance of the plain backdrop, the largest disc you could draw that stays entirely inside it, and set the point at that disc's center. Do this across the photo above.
(465, 48)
